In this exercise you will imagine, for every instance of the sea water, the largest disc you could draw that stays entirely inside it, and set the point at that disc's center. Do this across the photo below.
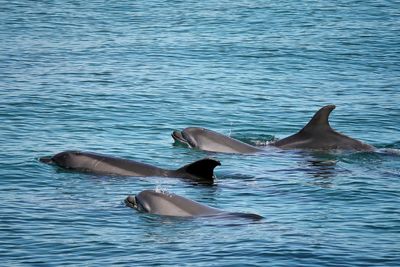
(117, 77)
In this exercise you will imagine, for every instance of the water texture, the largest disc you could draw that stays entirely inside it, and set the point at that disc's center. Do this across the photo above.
(117, 77)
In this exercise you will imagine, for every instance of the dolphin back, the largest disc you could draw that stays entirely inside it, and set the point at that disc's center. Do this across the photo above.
(168, 204)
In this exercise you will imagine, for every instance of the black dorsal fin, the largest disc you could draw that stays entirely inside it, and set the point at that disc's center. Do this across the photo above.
(202, 170)
(320, 119)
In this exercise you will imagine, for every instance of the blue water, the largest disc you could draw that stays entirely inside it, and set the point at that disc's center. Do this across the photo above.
(117, 77)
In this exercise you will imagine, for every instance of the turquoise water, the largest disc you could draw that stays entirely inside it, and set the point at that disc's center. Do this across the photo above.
(117, 77)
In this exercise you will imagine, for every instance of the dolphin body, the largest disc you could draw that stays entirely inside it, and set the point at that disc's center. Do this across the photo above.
(207, 140)
(319, 135)
(316, 135)
(167, 204)
(201, 171)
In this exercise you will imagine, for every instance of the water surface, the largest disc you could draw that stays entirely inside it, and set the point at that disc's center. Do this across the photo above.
(117, 77)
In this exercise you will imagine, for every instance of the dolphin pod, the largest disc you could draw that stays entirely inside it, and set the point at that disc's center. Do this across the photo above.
(201, 171)
(316, 135)
(168, 204)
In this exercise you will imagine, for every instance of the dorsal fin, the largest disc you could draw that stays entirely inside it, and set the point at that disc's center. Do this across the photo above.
(320, 119)
(201, 170)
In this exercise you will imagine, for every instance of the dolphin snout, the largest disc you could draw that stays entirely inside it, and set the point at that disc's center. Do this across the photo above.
(181, 138)
(130, 201)
(47, 159)
(177, 135)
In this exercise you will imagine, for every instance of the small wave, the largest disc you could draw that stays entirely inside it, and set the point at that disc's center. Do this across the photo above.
(394, 145)
(261, 140)
(389, 151)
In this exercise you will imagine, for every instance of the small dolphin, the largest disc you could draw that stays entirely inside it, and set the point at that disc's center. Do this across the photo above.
(167, 204)
(319, 135)
(207, 140)
(201, 171)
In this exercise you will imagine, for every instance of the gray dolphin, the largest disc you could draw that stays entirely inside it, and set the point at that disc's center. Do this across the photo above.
(204, 139)
(318, 134)
(201, 171)
(164, 203)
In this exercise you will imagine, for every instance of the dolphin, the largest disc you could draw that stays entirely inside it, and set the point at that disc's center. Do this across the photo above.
(316, 135)
(201, 171)
(319, 135)
(168, 204)
(207, 140)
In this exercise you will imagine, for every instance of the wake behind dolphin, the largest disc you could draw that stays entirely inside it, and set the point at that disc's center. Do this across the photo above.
(201, 171)
(316, 135)
(167, 204)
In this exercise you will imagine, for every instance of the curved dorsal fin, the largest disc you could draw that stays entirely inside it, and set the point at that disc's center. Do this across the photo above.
(202, 169)
(320, 119)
